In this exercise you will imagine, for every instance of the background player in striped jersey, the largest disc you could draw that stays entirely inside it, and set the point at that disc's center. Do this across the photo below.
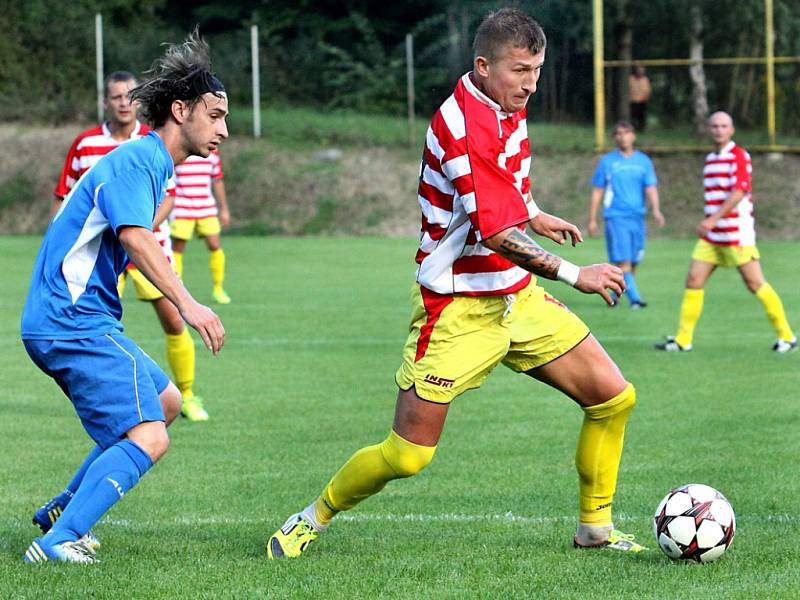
(71, 325)
(622, 180)
(476, 304)
(201, 205)
(727, 239)
(87, 149)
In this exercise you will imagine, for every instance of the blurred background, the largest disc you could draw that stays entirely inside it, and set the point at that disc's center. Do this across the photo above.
(334, 76)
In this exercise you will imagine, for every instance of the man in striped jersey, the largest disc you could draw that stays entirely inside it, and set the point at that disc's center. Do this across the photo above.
(476, 305)
(727, 239)
(201, 205)
(87, 149)
(71, 325)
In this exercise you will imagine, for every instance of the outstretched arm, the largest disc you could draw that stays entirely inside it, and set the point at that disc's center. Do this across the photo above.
(594, 204)
(519, 248)
(146, 253)
(651, 192)
(218, 189)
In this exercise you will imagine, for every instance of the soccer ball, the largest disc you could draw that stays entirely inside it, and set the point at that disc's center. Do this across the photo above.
(694, 522)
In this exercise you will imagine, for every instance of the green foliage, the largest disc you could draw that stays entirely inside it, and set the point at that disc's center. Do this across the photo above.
(351, 54)
(16, 190)
(314, 335)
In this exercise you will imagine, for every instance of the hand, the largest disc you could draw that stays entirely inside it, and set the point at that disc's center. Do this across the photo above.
(592, 228)
(705, 226)
(224, 217)
(207, 324)
(659, 217)
(598, 279)
(556, 229)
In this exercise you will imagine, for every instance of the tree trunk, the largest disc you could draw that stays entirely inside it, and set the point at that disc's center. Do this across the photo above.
(696, 71)
(624, 52)
(454, 45)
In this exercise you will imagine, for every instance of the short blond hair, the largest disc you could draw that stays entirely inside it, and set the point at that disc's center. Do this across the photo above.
(508, 27)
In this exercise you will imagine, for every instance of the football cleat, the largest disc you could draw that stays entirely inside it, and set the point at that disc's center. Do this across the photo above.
(74, 552)
(291, 540)
(638, 305)
(670, 345)
(784, 346)
(220, 296)
(48, 514)
(622, 542)
(193, 410)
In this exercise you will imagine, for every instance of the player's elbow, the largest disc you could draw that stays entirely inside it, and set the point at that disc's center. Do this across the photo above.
(495, 241)
(131, 236)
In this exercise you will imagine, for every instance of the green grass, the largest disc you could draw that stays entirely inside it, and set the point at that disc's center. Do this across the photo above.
(306, 377)
(300, 128)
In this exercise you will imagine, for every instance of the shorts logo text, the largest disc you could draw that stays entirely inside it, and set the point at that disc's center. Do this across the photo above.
(440, 381)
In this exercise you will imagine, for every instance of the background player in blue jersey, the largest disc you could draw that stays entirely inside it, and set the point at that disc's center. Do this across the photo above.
(71, 321)
(622, 180)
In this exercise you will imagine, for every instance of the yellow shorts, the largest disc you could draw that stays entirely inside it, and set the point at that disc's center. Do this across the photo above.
(454, 342)
(183, 229)
(144, 289)
(724, 256)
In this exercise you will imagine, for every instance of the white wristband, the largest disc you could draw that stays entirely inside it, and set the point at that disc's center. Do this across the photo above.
(533, 210)
(567, 272)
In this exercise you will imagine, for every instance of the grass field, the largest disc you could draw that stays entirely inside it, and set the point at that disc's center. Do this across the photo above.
(306, 377)
(299, 128)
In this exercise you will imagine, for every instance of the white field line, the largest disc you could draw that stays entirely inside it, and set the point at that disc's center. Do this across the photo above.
(458, 518)
(507, 518)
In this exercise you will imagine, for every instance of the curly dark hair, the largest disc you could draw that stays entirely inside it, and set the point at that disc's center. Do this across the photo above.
(183, 73)
(508, 27)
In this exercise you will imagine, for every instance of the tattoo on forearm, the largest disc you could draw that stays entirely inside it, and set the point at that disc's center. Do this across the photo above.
(523, 251)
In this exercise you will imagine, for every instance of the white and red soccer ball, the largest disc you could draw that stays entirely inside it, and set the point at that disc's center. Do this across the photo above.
(694, 522)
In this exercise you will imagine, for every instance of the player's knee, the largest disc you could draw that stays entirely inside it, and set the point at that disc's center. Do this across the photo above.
(406, 458)
(151, 437)
(158, 446)
(171, 402)
(623, 402)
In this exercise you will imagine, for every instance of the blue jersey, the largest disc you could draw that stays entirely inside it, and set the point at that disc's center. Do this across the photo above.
(624, 180)
(73, 289)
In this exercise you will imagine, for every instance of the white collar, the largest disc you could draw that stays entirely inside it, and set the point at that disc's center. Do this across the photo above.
(470, 86)
(136, 130)
(726, 148)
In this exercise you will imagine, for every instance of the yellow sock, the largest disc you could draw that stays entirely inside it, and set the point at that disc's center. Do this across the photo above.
(775, 313)
(180, 356)
(121, 285)
(216, 262)
(177, 258)
(368, 471)
(691, 309)
(598, 455)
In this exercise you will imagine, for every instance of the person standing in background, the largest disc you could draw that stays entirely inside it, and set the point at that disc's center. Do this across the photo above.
(640, 92)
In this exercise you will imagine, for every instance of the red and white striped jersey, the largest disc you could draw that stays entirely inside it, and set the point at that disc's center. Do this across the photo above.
(473, 184)
(725, 171)
(193, 178)
(88, 148)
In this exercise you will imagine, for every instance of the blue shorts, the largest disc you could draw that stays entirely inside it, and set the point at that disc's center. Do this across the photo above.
(112, 383)
(625, 240)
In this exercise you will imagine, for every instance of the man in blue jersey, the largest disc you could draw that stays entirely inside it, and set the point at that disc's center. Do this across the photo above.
(71, 321)
(622, 180)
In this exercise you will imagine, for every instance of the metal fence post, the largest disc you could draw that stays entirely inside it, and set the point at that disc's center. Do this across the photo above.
(256, 82)
(98, 45)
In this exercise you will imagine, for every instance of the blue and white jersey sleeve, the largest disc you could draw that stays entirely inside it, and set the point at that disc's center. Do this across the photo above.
(649, 172)
(600, 177)
(129, 199)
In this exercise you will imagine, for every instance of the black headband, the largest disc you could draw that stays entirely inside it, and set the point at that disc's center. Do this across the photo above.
(203, 82)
